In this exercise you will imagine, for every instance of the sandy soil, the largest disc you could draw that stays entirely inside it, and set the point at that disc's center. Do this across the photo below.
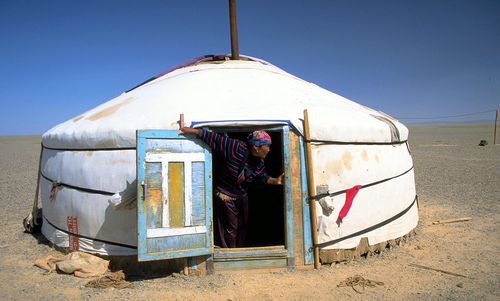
(455, 178)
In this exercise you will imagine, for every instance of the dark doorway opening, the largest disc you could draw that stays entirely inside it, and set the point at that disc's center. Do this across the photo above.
(266, 222)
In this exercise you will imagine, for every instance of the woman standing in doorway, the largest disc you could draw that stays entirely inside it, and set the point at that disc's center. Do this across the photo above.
(237, 162)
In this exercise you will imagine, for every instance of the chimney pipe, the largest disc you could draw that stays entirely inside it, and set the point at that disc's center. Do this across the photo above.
(235, 51)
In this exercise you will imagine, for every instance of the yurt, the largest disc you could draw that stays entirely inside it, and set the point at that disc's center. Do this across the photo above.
(120, 180)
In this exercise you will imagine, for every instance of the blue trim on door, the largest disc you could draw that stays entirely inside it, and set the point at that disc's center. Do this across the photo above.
(195, 123)
(289, 241)
(208, 197)
(223, 122)
(140, 170)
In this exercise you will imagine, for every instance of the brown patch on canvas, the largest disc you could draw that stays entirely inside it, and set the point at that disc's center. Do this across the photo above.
(77, 118)
(364, 155)
(347, 159)
(109, 110)
(105, 143)
(334, 167)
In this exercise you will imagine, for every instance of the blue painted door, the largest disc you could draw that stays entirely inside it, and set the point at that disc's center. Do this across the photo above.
(174, 196)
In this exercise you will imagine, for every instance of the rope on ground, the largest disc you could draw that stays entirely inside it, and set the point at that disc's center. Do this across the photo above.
(359, 281)
(110, 279)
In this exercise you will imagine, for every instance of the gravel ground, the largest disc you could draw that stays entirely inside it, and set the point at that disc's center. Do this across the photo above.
(451, 166)
(455, 177)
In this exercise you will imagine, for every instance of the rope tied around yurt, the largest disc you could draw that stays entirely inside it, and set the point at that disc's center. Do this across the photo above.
(84, 189)
(125, 199)
(371, 228)
(331, 142)
(88, 237)
(359, 281)
(331, 194)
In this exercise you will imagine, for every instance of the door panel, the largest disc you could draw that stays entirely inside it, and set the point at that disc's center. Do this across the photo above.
(174, 196)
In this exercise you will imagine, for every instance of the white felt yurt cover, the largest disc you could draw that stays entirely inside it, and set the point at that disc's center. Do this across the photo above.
(96, 150)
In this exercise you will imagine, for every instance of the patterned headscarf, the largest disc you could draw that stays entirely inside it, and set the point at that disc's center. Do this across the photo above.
(259, 138)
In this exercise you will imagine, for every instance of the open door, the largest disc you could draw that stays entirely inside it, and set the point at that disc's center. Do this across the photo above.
(270, 241)
(174, 196)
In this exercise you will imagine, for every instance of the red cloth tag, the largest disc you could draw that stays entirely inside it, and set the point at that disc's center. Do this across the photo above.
(349, 197)
(74, 241)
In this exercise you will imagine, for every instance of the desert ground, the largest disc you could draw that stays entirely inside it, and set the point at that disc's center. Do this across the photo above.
(454, 176)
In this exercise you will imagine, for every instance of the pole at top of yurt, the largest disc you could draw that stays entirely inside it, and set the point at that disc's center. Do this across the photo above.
(233, 23)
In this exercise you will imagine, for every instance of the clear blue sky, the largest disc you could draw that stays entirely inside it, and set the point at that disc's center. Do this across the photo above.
(406, 58)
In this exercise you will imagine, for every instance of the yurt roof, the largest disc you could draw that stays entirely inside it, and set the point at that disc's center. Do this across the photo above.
(212, 90)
